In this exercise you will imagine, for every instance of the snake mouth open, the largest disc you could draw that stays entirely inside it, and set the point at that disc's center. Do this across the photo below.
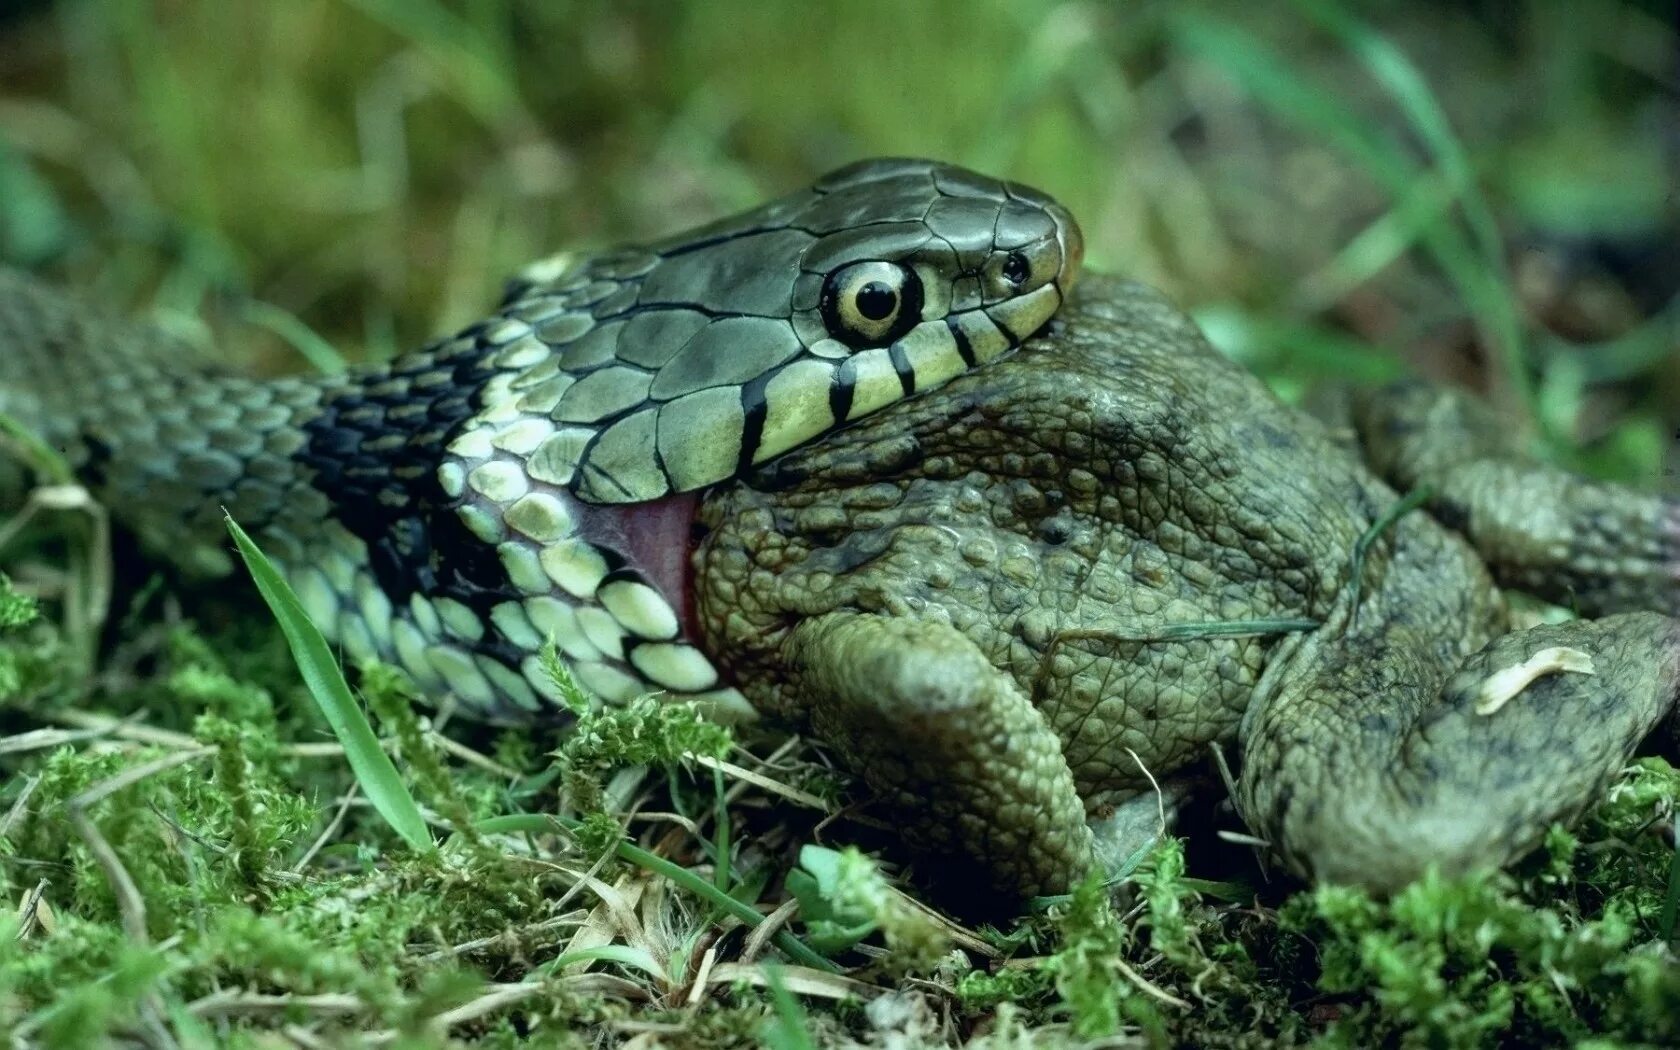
(654, 539)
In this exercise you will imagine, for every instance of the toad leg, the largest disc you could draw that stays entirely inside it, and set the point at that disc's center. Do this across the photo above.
(1361, 767)
(963, 761)
(1595, 546)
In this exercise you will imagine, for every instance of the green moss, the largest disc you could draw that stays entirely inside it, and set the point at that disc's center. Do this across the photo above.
(31, 655)
(16, 610)
(1466, 962)
(391, 694)
(1092, 989)
(647, 731)
(844, 898)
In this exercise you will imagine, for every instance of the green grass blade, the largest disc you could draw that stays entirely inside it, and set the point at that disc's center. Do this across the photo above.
(1273, 82)
(372, 766)
(321, 355)
(1377, 246)
(471, 58)
(1271, 79)
(622, 954)
(723, 875)
(790, 1031)
(1390, 67)
(38, 455)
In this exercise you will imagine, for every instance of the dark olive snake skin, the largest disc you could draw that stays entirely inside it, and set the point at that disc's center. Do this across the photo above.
(531, 478)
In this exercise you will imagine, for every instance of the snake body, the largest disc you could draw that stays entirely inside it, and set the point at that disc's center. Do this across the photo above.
(532, 477)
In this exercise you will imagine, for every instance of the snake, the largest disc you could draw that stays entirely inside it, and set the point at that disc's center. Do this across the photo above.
(529, 481)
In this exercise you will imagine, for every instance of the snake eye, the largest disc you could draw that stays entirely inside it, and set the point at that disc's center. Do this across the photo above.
(871, 303)
(1017, 268)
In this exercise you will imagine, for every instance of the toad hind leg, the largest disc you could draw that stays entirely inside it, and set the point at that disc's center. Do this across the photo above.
(1595, 546)
(1355, 775)
(963, 760)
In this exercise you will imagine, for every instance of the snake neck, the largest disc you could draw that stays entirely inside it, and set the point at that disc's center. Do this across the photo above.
(157, 436)
(440, 457)
(371, 493)
(422, 509)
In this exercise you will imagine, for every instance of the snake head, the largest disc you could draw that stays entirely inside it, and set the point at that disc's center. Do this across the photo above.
(931, 244)
(696, 358)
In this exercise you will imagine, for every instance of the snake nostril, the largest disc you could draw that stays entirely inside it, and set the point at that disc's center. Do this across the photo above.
(1017, 268)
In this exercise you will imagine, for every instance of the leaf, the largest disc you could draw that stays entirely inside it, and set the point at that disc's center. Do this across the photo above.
(373, 768)
(623, 954)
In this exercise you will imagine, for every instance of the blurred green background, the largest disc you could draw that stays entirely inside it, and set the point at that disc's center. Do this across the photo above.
(1483, 192)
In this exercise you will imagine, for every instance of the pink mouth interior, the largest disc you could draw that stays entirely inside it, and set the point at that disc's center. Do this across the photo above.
(654, 539)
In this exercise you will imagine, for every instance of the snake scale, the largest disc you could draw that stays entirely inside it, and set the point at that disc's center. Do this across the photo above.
(533, 477)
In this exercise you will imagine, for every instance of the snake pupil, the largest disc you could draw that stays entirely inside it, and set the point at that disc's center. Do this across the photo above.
(876, 301)
(1016, 268)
